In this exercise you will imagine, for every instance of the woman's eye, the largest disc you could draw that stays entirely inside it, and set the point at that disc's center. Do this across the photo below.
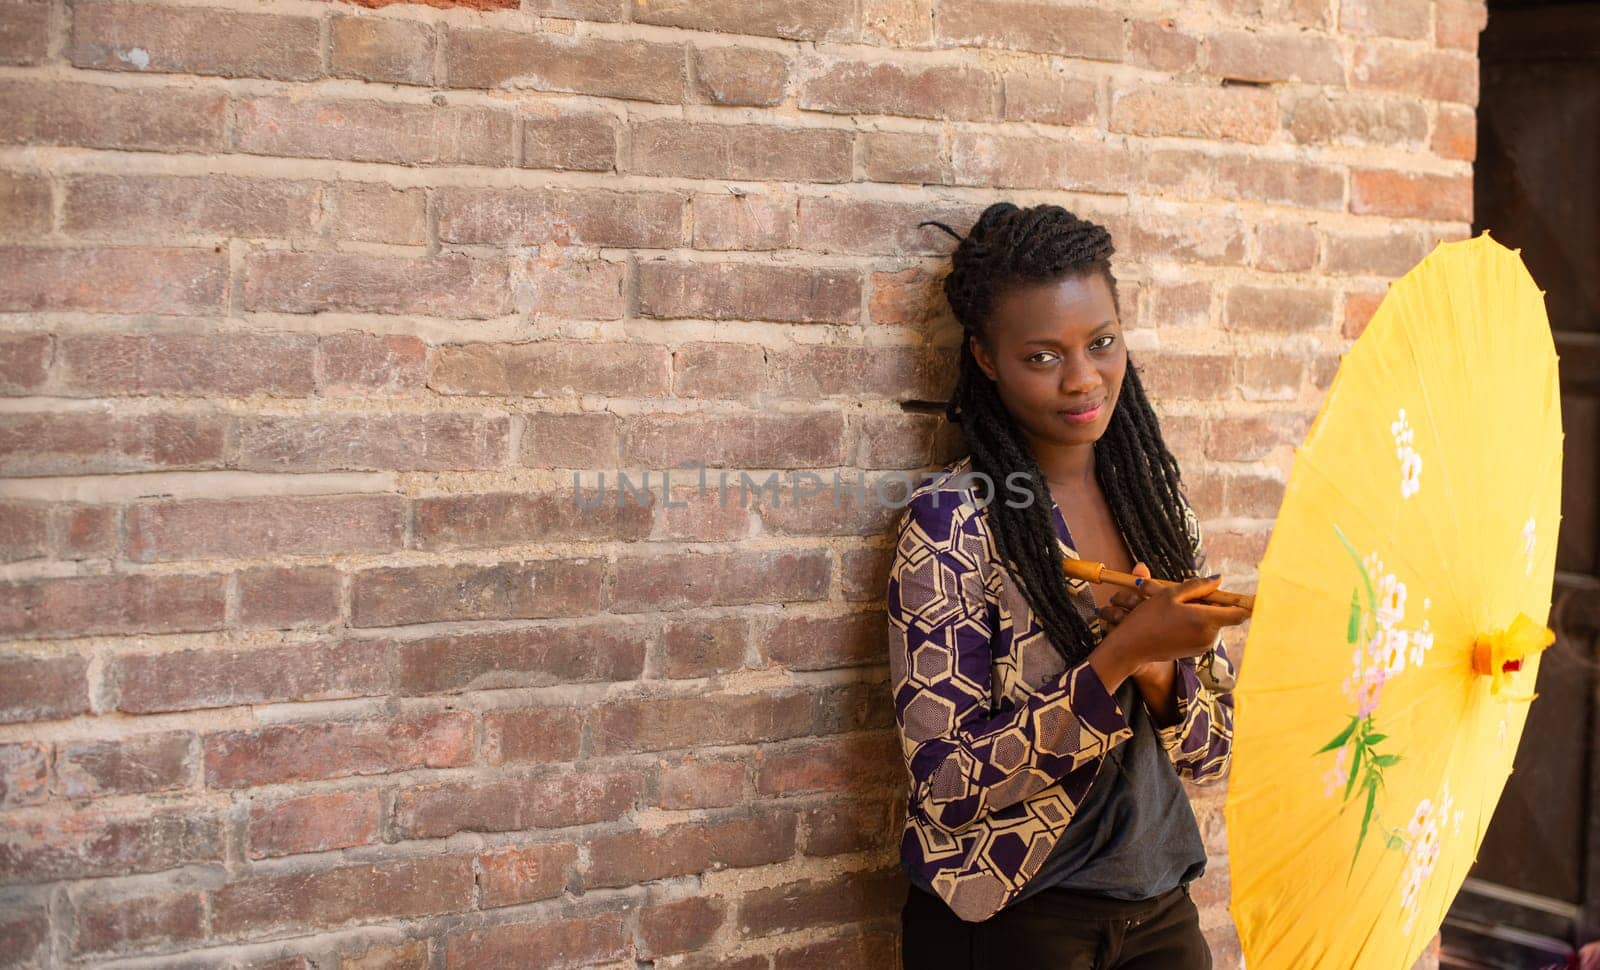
(1104, 343)
(1042, 357)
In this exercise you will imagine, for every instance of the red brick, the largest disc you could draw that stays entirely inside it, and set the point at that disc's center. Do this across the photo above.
(1244, 114)
(1162, 46)
(680, 581)
(1457, 23)
(1277, 310)
(24, 40)
(813, 373)
(375, 212)
(702, 648)
(1269, 377)
(702, 370)
(381, 49)
(447, 285)
(677, 850)
(213, 365)
(25, 936)
(127, 280)
(749, 76)
(852, 826)
(277, 525)
(1206, 240)
(24, 773)
(559, 137)
(700, 150)
(1455, 133)
(1388, 254)
(855, 950)
(559, 286)
(281, 598)
(337, 749)
(898, 24)
(90, 442)
(744, 222)
(410, 955)
(548, 800)
(1305, 13)
(1283, 183)
(846, 763)
(1252, 496)
(565, 217)
(865, 574)
(107, 924)
(583, 440)
(330, 897)
(77, 606)
(700, 782)
(87, 532)
(517, 518)
(813, 20)
(1411, 195)
(881, 228)
(538, 735)
(845, 898)
(738, 440)
(1188, 377)
(25, 205)
(665, 723)
(1317, 119)
(1249, 438)
(1248, 56)
(749, 291)
(826, 642)
(397, 595)
(1439, 75)
(141, 37)
(24, 360)
(357, 364)
(371, 131)
(903, 156)
(1286, 247)
(430, 441)
(1051, 99)
(854, 707)
(679, 926)
(633, 69)
(875, 86)
(897, 441)
(43, 688)
(599, 652)
(313, 823)
(137, 206)
(557, 943)
(44, 845)
(703, 515)
(1358, 311)
(24, 531)
(523, 874)
(1407, 19)
(96, 116)
(127, 765)
(188, 679)
(552, 368)
(1081, 31)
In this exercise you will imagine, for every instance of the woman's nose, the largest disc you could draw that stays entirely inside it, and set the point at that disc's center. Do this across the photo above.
(1079, 376)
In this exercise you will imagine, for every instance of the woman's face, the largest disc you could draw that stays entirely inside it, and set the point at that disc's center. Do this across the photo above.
(1056, 355)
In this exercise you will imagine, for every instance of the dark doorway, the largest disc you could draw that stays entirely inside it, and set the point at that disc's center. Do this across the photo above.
(1533, 896)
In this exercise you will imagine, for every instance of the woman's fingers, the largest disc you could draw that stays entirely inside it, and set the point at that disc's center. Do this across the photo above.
(1113, 614)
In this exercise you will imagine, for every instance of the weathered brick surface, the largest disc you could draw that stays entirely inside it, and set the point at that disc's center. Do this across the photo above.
(320, 322)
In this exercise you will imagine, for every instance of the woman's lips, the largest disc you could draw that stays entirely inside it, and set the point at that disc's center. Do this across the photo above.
(1083, 417)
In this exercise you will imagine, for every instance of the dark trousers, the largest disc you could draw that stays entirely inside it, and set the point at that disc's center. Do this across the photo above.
(1058, 929)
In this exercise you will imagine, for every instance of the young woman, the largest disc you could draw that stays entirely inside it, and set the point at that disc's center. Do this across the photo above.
(1045, 723)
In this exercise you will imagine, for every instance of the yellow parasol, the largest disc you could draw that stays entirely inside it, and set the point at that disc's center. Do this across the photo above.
(1398, 621)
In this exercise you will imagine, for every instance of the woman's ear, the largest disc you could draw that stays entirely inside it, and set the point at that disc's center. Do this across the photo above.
(981, 355)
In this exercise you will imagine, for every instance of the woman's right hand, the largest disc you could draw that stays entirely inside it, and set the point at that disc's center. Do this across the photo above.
(1169, 624)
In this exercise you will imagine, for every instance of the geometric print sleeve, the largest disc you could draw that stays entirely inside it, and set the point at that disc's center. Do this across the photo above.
(1200, 742)
(964, 761)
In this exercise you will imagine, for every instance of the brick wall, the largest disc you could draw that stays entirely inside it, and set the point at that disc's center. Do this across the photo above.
(310, 311)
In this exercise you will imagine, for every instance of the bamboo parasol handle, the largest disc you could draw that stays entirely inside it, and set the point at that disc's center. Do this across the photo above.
(1097, 572)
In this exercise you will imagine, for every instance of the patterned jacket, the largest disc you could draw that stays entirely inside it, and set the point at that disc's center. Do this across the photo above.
(1001, 741)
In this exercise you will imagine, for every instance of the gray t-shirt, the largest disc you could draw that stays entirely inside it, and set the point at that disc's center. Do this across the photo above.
(1135, 835)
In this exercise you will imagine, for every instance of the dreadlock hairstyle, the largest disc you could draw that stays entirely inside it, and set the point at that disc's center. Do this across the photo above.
(1011, 246)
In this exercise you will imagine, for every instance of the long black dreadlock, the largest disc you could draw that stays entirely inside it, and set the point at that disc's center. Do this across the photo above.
(1009, 246)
